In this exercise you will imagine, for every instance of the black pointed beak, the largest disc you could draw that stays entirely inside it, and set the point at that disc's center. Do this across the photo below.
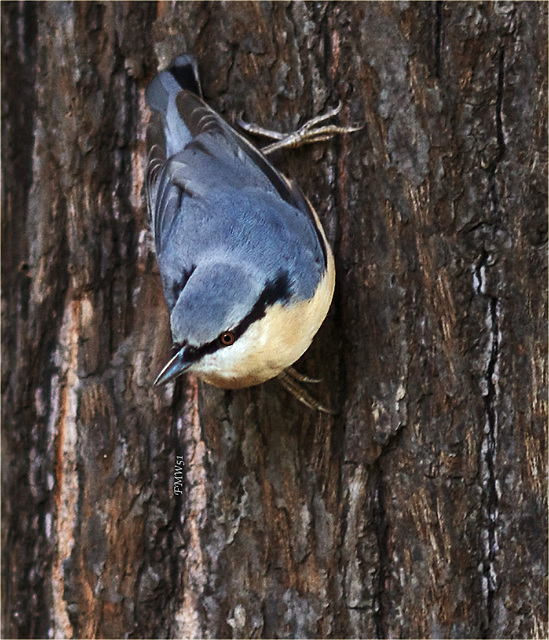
(175, 367)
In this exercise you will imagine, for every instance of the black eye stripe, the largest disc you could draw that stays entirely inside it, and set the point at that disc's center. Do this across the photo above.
(275, 291)
(278, 290)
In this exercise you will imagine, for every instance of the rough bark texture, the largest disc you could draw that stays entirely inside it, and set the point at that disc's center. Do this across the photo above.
(420, 509)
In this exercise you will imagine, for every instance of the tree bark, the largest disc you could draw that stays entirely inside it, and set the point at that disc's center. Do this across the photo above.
(420, 509)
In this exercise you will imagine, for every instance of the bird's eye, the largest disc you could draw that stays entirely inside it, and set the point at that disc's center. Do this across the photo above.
(227, 338)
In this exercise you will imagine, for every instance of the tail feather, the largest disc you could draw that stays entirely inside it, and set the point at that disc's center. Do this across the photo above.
(161, 94)
(185, 71)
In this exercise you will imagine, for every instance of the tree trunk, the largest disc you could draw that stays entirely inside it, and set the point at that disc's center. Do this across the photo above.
(419, 510)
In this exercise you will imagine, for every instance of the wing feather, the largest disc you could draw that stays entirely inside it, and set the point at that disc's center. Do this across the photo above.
(189, 194)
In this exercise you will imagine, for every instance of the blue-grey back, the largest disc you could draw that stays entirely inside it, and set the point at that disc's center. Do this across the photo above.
(213, 197)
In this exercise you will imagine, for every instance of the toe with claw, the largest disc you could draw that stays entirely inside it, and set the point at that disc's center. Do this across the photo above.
(290, 380)
(307, 134)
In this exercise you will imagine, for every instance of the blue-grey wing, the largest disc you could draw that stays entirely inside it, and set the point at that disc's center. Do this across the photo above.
(164, 205)
(220, 194)
(203, 122)
(163, 199)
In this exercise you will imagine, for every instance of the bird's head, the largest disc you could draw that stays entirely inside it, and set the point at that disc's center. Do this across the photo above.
(229, 326)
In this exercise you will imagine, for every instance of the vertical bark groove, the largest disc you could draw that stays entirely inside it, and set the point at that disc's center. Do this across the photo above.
(384, 556)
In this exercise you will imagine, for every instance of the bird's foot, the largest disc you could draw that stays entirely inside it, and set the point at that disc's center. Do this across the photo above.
(307, 134)
(290, 379)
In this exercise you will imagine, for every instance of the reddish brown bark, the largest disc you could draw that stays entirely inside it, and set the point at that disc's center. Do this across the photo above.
(420, 509)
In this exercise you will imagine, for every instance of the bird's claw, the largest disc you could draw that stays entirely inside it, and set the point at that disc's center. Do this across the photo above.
(306, 134)
(290, 380)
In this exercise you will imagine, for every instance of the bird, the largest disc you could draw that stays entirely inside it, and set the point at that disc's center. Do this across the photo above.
(247, 272)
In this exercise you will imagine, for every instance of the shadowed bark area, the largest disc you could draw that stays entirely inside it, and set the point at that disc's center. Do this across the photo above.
(419, 510)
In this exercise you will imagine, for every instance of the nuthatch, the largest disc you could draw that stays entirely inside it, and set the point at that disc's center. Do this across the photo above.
(247, 272)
